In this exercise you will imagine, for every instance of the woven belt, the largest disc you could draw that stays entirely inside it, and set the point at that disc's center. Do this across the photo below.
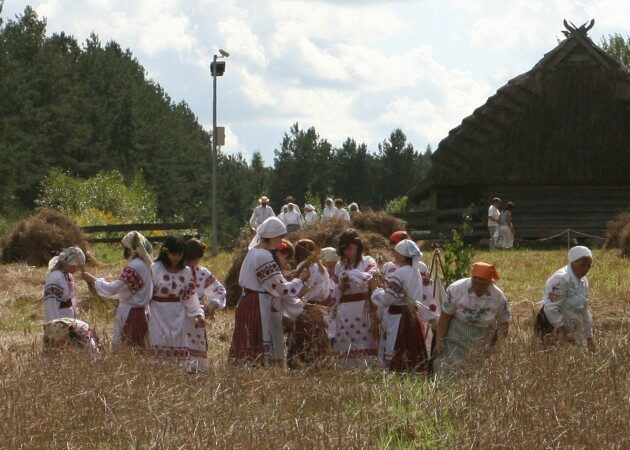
(353, 297)
(166, 299)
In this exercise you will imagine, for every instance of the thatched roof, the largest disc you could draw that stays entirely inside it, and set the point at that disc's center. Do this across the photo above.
(566, 121)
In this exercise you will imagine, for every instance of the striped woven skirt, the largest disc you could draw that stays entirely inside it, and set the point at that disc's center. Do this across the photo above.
(464, 346)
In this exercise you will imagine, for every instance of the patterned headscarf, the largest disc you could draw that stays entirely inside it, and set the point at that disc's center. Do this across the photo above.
(138, 244)
(73, 256)
(408, 248)
(270, 228)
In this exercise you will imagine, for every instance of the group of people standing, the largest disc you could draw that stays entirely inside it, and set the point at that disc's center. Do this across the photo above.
(500, 225)
(162, 303)
(369, 316)
(291, 215)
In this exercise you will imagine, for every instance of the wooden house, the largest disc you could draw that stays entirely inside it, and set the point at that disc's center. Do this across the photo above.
(554, 140)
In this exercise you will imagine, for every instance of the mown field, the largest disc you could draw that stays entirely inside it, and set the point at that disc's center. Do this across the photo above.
(523, 397)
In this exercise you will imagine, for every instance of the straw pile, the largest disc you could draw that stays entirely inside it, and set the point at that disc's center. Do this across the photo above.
(41, 236)
(618, 234)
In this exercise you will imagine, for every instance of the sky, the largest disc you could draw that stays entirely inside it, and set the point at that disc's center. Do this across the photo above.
(350, 68)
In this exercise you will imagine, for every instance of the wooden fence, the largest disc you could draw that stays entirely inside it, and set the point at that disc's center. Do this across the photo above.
(119, 229)
(530, 224)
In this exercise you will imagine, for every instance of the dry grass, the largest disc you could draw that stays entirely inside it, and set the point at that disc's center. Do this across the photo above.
(522, 397)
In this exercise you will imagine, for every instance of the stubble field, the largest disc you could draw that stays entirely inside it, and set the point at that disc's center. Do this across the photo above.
(523, 397)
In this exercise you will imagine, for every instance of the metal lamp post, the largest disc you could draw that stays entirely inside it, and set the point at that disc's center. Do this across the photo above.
(217, 68)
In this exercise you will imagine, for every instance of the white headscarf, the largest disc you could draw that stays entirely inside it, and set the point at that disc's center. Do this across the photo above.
(408, 248)
(137, 243)
(329, 254)
(270, 228)
(309, 207)
(73, 256)
(579, 252)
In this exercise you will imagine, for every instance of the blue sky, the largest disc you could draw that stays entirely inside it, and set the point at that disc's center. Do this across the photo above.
(356, 68)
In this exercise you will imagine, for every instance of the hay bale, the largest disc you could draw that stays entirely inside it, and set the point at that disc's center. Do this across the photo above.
(378, 222)
(618, 234)
(41, 236)
(326, 234)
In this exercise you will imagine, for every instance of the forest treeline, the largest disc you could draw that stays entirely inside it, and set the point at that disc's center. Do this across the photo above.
(88, 108)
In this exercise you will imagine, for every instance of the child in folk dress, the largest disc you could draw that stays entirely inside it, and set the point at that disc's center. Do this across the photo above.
(174, 301)
(356, 339)
(309, 340)
(211, 294)
(401, 296)
(60, 294)
(133, 289)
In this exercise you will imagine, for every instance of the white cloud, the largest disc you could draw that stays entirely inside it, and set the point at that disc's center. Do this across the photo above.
(350, 68)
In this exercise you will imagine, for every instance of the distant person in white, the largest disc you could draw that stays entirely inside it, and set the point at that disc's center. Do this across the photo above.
(340, 212)
(329, 210)
(506, 227)
(292, 219)
(290, 199)
(261, 213)
(311, 216)
(493, 221)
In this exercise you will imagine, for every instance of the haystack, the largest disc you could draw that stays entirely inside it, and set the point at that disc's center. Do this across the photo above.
(618, 234)
(41, 236)
(376, 222)
(374, 229)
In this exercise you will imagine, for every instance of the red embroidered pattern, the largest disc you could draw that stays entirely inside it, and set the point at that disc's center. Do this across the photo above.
(266, 271)
(189, 291)
(132, 279)
(426, 281)
(53, 290)
(394, 288)
(209, 281)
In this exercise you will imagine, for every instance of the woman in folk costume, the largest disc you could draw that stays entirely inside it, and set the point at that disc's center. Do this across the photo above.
(133, 289)
(474, 312)
(506, 227)
(356, 325)
(60, 293)
(211, 294)
(309, 339)
(265, 292)
(565, 314)
(401, 299)
(174, 302)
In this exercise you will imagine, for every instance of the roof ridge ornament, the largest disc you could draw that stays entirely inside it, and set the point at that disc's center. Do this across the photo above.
(582, 30)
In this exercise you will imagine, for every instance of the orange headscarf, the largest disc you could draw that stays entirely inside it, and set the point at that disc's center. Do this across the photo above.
(485, 271)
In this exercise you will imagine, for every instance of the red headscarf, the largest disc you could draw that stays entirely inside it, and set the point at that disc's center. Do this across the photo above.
(398, 236)
(485, 271)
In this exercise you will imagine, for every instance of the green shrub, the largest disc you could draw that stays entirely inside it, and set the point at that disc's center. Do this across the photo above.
(457, 254)
(102, 199)
(397, 205)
